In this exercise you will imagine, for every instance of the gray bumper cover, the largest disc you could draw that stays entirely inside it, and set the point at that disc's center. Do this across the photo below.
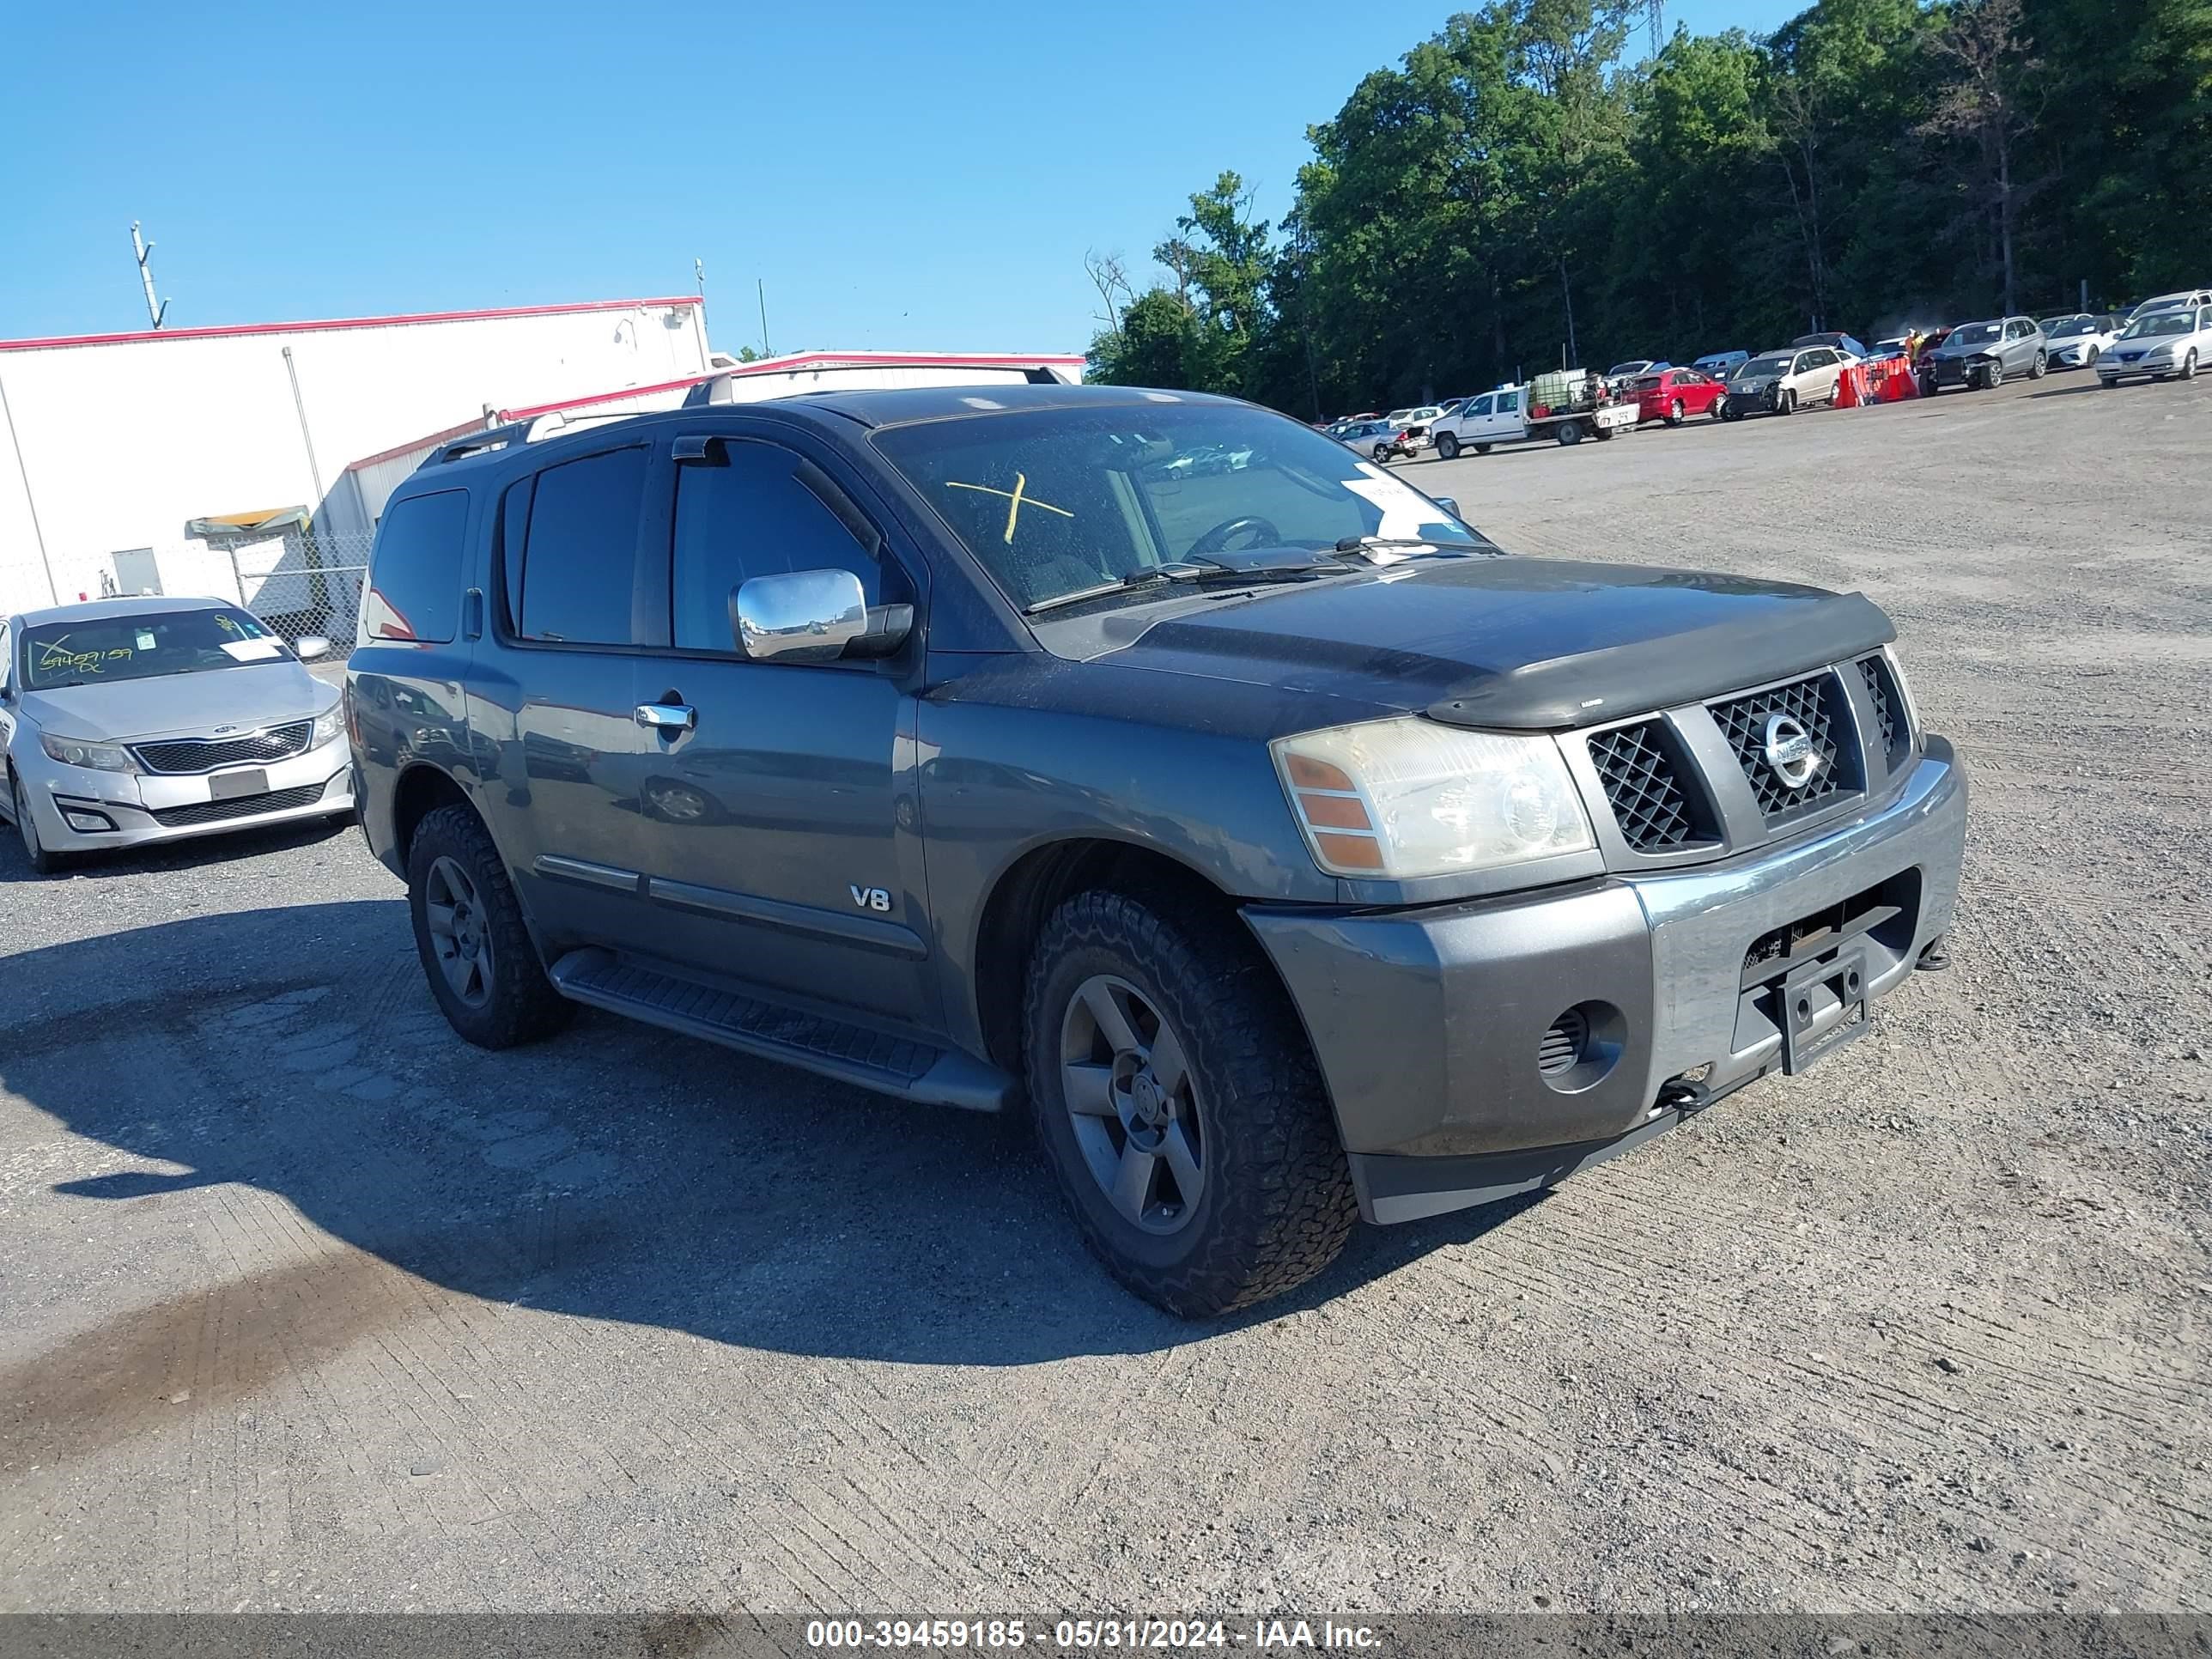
(1427, 1023)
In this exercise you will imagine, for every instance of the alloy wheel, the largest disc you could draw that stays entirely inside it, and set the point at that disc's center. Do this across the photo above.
(459, 937)
(1133, 1104)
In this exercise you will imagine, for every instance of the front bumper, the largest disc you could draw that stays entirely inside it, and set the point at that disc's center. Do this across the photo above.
(1428, 1024)
(2110, 368)
(67, 802)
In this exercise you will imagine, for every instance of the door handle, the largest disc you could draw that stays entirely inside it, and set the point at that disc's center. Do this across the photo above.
(667, 718)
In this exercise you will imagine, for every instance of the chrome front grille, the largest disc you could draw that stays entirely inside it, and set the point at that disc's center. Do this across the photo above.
(1688, 783)
(185, 754)
(1811, 703)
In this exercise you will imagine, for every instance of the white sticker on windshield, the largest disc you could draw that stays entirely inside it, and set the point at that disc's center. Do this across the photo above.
(146, 639)
(252, 650)
(1404, 508)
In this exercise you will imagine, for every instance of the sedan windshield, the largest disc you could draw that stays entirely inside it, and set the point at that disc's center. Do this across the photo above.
(2067, 330)
(1976, 334)
(144, 646)
(2160, 322)
(1059, 502)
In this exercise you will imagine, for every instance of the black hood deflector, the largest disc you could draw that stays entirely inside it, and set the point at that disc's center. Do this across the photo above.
(1594, 686)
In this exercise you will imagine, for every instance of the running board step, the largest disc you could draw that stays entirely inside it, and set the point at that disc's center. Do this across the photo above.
(854, 1053)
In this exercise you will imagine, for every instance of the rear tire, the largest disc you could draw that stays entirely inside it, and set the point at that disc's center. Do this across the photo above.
(476, 951)
(1482, 449)
(1167, 1035)
(1674, 413)
(1381, 454)
(2039, 367)
(1448, 446)
(1570, 433)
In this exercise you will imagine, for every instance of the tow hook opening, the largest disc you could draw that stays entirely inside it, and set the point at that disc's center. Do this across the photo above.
(1934, 955)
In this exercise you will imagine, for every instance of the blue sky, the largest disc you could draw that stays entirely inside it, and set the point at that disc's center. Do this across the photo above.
(901, 176)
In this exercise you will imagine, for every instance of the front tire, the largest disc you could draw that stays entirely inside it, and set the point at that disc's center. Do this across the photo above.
(1178, 1102)
(2189, 365)
(1448, 446)
(476, 952)
(1785, 402)
(44, 862)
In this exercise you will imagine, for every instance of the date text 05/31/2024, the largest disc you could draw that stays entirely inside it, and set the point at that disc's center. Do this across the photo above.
(1090, 1635)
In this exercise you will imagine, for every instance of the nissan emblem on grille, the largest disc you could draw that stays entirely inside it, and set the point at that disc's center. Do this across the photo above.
(1789, 751)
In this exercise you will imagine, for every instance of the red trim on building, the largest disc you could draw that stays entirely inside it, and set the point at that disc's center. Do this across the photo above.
(323, 325)
(536, 409)
(445, 437)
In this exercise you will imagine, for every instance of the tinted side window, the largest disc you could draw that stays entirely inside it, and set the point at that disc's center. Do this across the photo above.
(751, 516)
(514, 532)
(1480, 406)
(7, 658)
(578, 565)
(414, 573)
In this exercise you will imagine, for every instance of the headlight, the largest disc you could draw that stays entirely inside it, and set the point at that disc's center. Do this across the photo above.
(99, 756)
(1398, 799)
(328, 725)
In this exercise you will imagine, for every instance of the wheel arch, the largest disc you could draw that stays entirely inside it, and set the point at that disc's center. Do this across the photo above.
(1029, 889)
(420, 790)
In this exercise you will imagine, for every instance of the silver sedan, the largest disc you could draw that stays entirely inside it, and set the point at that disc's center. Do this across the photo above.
(125, 721)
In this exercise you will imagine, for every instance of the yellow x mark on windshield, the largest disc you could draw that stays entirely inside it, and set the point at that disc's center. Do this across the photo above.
(1016, 500)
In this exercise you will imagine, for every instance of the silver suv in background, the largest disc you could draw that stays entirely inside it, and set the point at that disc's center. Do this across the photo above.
(1986, 354)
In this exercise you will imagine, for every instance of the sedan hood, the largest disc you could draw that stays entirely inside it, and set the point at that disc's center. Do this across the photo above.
(180, 705)
(1533, 644)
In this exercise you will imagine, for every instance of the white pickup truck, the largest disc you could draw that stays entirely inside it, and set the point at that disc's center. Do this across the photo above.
(1556, 406)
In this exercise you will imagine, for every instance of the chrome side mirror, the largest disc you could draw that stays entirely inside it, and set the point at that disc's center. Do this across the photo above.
(807, 616)
(311, 646)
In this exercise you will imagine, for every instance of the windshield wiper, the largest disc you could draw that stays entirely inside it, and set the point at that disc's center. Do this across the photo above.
(1432, 544)
(1193, 570)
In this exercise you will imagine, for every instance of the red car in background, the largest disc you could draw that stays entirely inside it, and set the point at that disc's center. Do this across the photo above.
(1673, 395)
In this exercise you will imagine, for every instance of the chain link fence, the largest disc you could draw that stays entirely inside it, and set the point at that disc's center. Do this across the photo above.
(301, 583)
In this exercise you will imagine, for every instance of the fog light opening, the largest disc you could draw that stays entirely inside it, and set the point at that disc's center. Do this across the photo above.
(1581, 1046)
(89, 824)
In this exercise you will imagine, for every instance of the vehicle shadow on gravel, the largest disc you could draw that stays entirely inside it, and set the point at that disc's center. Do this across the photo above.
(164, 856)
(613, 1173)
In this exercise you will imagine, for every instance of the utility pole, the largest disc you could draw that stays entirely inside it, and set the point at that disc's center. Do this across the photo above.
(143, 248)
(760, 287)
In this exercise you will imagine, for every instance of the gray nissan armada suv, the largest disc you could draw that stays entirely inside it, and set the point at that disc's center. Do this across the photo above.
(1290, 853)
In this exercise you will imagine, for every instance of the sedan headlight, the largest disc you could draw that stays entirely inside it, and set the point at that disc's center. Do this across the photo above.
(98, 756)
(328, 725)
(1399, 798)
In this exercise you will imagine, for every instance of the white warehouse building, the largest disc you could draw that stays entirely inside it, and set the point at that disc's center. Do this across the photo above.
(199, 460)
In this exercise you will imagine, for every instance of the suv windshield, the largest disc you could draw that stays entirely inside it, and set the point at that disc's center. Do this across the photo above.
(1058, 502)
(144, 646)
(1758, 366)
(1976, 334)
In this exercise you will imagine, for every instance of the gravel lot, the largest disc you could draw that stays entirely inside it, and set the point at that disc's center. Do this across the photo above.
(309, 1305)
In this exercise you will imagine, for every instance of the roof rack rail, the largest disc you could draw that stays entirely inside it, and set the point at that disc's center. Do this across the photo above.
(534, 430)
